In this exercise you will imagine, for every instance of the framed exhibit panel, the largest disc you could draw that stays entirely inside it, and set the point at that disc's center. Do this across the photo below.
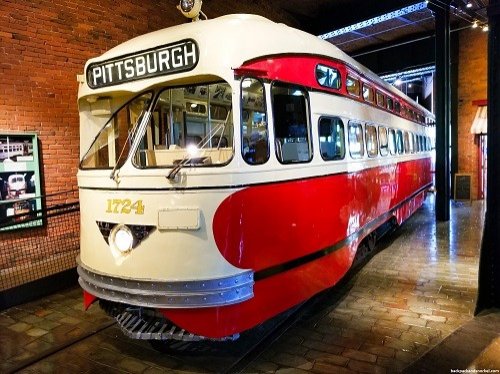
(20, 189)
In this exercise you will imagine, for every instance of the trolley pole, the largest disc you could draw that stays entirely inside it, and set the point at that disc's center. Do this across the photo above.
(443, 108)
(489, 262)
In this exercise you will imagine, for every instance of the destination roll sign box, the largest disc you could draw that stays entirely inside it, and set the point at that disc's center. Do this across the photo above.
(167, 59)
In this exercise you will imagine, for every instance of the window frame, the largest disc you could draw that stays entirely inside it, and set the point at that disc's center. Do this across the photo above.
(370, 98)
(283, 84)
(371, 151)
(400, 148)
(356, 93)
(338, 79)
(264, 105)
(361, 152)
(383, 129)
(343, 137)
(380, 98)
(390, 104)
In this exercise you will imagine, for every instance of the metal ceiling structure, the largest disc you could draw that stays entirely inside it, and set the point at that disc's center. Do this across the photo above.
(357, 26)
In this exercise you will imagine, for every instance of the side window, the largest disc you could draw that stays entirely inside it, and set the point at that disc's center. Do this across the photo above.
(399, 142)
(368, 94)
(291, 123)
(412, 142)
(383, 141)
(254, 132)
(397, 107)
(353, 85)
(406, 138)
(371, 141)
(392, 141)
(356, 144)
(390, 104)
(331, 138)
(380, 99)
(328, 76)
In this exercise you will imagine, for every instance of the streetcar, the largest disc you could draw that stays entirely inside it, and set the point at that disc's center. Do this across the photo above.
(230, 169)
(12, 150)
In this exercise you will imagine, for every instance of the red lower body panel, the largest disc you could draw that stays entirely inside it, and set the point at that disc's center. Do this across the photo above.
(300, 237)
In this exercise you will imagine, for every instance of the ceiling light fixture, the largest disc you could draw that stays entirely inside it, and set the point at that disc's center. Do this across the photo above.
(474, 25)
(469, 5)
(485, 28)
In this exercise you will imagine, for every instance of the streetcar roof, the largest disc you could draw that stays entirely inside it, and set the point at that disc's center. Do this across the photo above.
(225, 43)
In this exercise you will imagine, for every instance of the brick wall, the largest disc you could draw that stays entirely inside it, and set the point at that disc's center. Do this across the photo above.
(472, 85)
(43, 46)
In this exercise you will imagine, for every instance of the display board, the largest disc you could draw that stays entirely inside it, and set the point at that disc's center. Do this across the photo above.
(463, 187)
(19, 178)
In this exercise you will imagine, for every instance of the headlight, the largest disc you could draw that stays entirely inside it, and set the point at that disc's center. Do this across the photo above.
(122, 238)
(190, 8)
(187, 5)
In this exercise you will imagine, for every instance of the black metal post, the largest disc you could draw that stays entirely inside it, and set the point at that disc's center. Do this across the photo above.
(489, 263)
(443, 108)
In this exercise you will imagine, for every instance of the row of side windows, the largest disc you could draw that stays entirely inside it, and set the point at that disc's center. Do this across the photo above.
(330, 77)
(380, 140)
(290, 105)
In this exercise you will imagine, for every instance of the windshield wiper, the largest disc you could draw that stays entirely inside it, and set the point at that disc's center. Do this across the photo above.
(131, 135)
(187, 159)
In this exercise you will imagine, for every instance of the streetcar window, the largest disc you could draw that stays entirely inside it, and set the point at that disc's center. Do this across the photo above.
(356, 144)
(406, 139)
(112, 144)
(417, 143)
(291, 123)
(383, 141)
(380, 99)
(331, 138)
(397, 107)
(328, 77)
(368, 94)
(411, 142)
(371, 141)
(190, 125)
(352, 85)
(254, 132)
(392, 141)
(399, 142)
(390, 104)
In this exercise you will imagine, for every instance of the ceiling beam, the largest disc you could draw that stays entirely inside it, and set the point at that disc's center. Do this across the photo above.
(375, 20)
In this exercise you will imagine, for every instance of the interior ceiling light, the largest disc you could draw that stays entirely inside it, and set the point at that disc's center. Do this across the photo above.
(469, 5)
(474, 25)
(485, 28)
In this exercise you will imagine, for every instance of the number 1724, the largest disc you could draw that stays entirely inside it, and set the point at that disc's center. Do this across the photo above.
(125, 206)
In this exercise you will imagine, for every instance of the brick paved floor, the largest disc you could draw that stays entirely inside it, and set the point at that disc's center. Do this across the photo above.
(416, 291)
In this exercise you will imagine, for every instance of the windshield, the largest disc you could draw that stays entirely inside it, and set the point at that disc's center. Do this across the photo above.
(190, 125)
(112, 145)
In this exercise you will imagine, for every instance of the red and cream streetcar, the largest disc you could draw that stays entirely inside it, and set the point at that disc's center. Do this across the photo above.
(230, 169)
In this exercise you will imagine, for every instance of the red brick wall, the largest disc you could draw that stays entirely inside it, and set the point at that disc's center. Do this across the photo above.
(44, 45)
(472, 85)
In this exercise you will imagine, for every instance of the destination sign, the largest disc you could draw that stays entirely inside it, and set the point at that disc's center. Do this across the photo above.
(163, 60)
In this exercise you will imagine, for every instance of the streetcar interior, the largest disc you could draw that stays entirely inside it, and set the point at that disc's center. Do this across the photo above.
(185, 125)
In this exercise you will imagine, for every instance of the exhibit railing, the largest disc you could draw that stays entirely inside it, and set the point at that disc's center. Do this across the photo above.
(39, 237)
